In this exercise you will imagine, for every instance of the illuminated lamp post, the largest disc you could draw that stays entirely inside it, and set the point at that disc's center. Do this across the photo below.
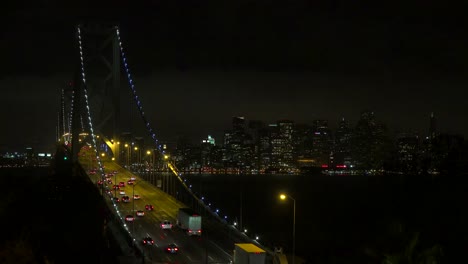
(128, 154)
(283, 197)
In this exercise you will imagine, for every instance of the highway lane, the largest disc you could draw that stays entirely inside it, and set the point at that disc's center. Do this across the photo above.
(165, 208)
(192, 249)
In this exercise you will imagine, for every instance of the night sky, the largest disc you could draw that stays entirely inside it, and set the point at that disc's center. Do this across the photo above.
(198, 63)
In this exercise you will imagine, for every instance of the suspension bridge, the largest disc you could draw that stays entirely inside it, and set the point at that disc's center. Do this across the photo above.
(107, 145)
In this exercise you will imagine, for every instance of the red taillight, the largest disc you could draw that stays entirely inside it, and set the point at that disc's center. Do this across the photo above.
(199, 231)
(144, 241)
(176, 249)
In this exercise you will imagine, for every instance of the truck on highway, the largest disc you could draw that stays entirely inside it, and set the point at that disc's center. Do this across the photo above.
(190, 221)
(248, 253)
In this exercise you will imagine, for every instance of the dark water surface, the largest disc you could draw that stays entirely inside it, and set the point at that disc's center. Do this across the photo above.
(341, 215)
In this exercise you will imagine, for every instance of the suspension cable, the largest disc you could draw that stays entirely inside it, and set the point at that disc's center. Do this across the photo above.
(63, 114)
(148, 126)
(70, 115)
(90, 123)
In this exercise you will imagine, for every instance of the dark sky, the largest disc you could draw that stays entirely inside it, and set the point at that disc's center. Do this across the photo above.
(198, 63)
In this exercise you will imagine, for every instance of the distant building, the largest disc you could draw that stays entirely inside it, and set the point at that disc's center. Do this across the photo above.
(408, 153)
(265, 149)
(321, 141)
(370, 143)
(302, 146)
(342, 149)
(238, 125)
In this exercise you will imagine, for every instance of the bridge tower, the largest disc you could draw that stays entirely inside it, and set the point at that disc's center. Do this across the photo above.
(101, 54)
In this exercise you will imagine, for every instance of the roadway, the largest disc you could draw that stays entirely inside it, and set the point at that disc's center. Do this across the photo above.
(192, 249)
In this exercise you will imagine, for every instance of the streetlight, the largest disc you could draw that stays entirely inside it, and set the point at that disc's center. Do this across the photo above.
(151, 165)
(150, 154)
(137, 157)
(128, 154)
(283, 197)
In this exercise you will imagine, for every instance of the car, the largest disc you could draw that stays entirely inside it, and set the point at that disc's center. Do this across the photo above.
(172, 248)
(115, 172)
(149, 207)
(116, 187)
(129, 218)
(125, 199)
(109, 181)
(140, 213)
(116, 199)
(122, 192)
(136, 197)
(100, 182)
(122, 184)
(133, 179)
(148, 241)
(92, 172)
(130, 182)
(166, 224)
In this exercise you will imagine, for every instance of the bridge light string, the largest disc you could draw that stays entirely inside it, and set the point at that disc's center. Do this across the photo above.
(82, 124)
(70, 115)
(93, 136)
(63, 113)
(142, 113)
(151, 131)
(83, 77)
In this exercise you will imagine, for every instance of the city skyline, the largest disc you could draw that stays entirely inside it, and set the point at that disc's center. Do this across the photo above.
(246, 62)
(218, 134)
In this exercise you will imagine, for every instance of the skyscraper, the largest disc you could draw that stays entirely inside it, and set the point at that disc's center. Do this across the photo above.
(321, 141)
(238, 124)
(408, 152)
(370, 143)
(342, 151)
(285, 128)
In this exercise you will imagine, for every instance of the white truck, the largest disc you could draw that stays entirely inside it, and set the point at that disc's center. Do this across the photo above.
(248, 253)
(190, 221)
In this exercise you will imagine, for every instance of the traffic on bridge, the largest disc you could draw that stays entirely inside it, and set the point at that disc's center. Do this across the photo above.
(150, 216)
